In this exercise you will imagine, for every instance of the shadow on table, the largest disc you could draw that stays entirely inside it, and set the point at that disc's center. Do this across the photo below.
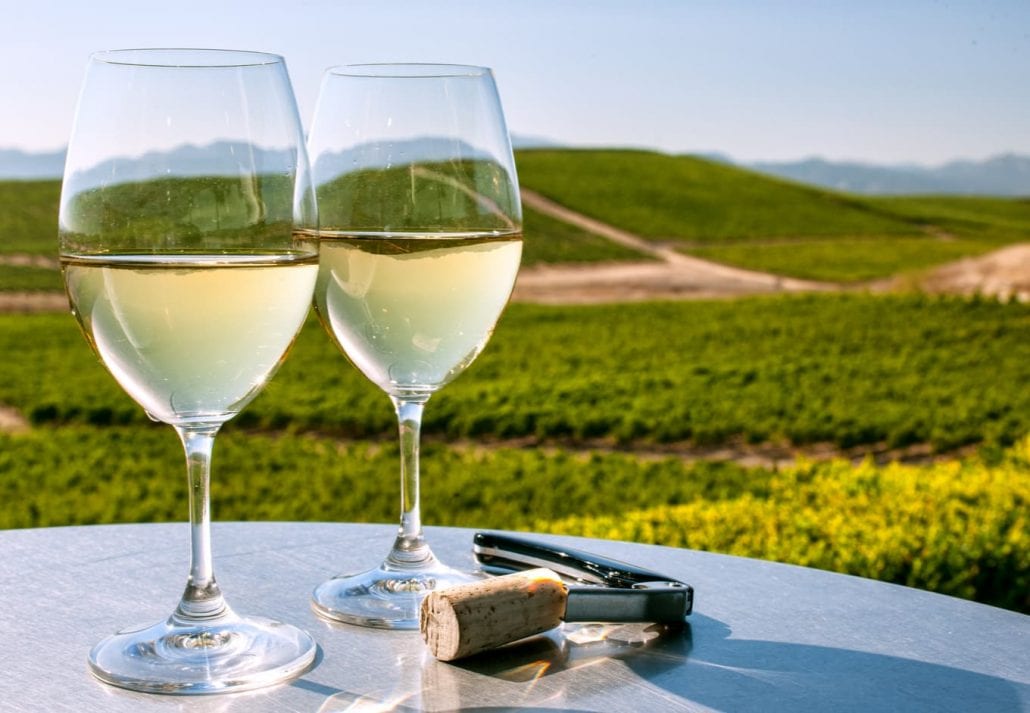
(700, 664)
(755, 675)
(703, 665)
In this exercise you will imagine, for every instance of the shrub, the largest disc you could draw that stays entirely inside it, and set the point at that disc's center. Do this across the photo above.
(959, 528)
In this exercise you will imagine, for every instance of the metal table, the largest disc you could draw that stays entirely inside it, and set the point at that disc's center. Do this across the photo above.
(763, 636)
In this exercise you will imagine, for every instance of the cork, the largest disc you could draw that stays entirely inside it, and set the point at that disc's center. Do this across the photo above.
(461, 621)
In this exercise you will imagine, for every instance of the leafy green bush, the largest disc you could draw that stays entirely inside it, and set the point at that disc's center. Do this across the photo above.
(954, 528)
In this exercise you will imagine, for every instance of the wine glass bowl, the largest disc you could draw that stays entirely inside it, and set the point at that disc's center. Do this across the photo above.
(185, 186)
(420, 242)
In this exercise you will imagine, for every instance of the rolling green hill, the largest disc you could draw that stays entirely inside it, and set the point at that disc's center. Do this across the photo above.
(693, 200)
(708, 209)
(739, 217)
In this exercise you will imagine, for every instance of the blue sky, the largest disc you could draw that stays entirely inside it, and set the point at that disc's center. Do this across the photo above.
(879, 81)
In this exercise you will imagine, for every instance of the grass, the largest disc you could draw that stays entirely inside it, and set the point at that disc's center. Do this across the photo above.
(550, 241)
(846, 260)
(17, 278)
(689, 199)
(28, 216)
(997, 217)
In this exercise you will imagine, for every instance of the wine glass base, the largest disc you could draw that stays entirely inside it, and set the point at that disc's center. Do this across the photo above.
(384, 598)
(227, 654)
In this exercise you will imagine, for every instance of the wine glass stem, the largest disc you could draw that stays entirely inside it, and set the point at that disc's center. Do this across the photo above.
(409, 549)
(202, 600)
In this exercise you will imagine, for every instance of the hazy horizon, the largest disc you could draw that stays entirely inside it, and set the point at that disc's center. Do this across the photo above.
(541, 142)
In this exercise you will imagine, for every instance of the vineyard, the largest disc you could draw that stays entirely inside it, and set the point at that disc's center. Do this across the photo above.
(852, 371)
(763, 426)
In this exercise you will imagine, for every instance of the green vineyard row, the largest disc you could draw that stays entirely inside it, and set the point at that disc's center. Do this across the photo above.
(851, 371)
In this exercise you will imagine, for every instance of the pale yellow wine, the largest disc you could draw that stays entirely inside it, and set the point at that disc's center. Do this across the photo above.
(413, 311)
(192, 338)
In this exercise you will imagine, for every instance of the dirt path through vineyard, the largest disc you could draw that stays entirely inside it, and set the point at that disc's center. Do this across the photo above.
(672, 275)
(13, 302)
(1004, 273)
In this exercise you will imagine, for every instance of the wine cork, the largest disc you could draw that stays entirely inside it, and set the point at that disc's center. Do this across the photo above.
(460, 621)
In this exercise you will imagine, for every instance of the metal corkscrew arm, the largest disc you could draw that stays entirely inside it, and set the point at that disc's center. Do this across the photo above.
(611, 590)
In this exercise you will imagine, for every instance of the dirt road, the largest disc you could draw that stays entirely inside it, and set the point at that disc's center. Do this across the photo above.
(672, 276)
(667, 275)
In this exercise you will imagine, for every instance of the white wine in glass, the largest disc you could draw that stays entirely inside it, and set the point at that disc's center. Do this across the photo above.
(151, 320)
(185, 189)
(420, 235)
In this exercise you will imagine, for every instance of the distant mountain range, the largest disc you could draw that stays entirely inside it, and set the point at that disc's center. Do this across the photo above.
(524, 141)
(228, 157)
(19, 164)
(220, 158)
(331, 165)
(1004, 175)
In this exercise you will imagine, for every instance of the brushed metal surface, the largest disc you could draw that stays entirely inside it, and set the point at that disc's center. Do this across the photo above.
(763, 636)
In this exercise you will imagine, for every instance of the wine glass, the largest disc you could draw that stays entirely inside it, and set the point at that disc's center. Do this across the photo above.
(185, 185)
(420, 241)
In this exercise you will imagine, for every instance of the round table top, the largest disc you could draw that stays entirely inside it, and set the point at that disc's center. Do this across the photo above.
(762, 637)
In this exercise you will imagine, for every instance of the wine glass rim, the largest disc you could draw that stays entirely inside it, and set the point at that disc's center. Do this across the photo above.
(408, 70)
(186, 57)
